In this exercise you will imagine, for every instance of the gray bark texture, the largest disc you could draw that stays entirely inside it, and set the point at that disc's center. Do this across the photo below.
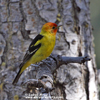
(68, 74)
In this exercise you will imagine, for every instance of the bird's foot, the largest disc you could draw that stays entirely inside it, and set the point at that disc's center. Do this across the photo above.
(55, 57)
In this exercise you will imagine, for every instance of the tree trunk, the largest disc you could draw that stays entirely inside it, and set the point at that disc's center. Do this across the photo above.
(63, 77)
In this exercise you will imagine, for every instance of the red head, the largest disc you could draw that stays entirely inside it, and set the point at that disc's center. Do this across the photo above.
(50, 28)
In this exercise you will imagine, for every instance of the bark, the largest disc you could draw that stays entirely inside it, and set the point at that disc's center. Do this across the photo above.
(65, 75)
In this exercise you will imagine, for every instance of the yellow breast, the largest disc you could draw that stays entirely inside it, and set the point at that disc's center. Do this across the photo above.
(47, 46)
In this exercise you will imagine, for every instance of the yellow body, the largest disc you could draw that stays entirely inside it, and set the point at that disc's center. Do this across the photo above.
(47, 46)
(40, 48)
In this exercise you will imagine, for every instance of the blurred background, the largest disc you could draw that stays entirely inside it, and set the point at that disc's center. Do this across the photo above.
(95, 20)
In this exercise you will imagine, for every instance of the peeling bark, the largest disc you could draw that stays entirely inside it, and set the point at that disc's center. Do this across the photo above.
(67, 75)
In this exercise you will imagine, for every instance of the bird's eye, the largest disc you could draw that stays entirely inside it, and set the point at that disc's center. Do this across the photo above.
(53, 27)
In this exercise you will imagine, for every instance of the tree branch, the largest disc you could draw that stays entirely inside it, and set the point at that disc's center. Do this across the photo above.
(48, 67)
(60, 60)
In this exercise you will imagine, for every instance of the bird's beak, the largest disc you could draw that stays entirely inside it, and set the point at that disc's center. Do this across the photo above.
(59, 26)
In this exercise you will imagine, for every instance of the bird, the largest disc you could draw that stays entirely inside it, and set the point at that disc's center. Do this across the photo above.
(40, 48)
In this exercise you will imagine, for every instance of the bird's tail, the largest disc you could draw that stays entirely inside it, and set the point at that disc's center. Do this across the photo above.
(18, 75)
(16, 78)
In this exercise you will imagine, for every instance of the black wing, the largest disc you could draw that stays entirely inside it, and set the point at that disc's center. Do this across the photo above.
(32, 49)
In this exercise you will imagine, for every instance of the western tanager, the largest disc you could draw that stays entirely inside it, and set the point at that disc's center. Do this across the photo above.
(40, 48)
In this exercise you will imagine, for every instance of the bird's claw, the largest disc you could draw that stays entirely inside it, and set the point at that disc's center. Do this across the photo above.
(55, 58)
